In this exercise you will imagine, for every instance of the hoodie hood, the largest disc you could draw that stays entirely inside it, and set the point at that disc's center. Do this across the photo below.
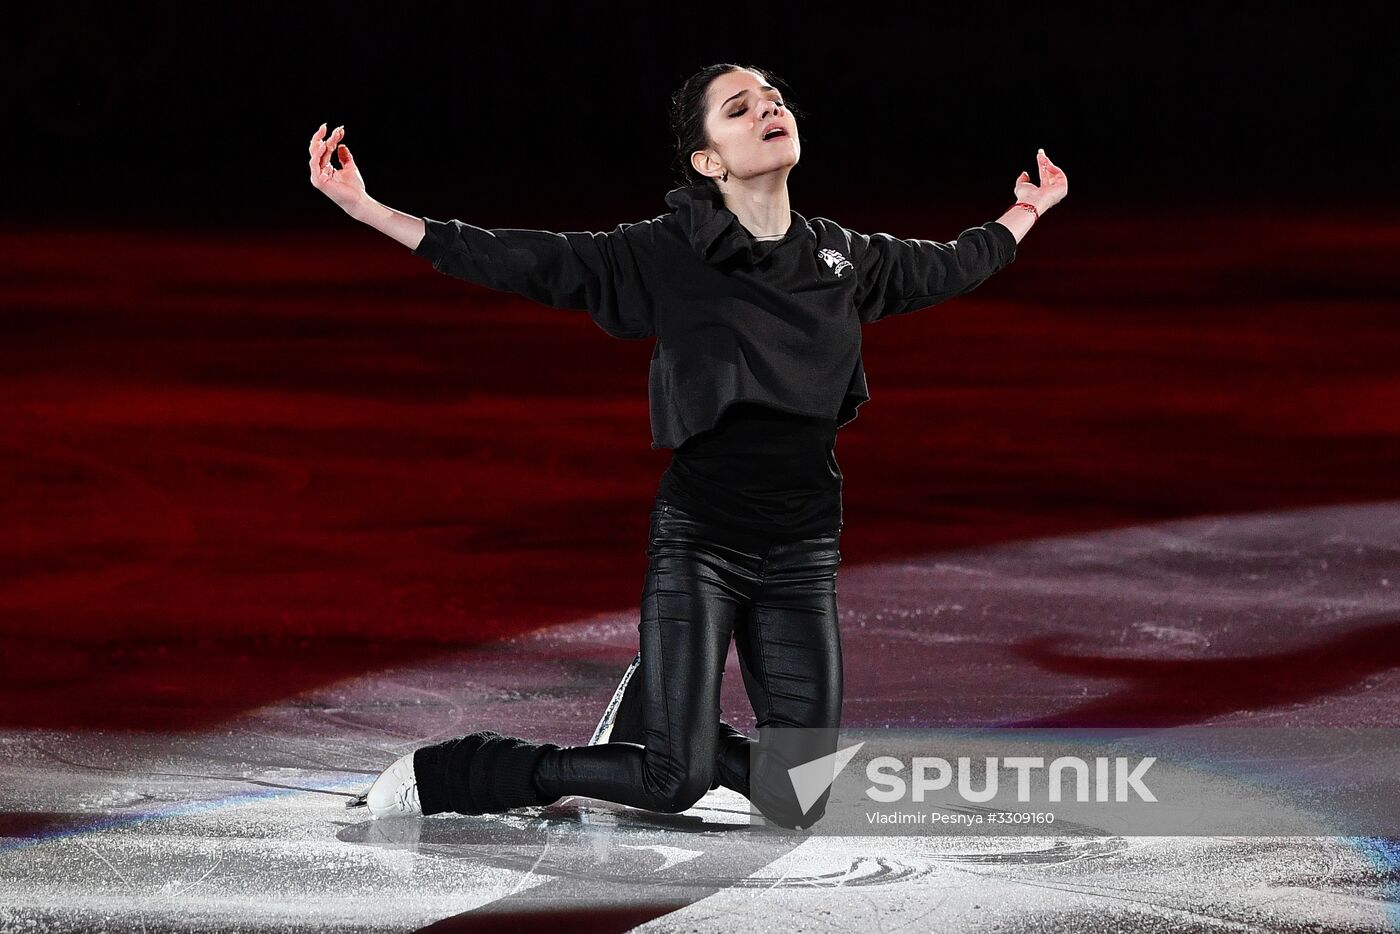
(714, 231)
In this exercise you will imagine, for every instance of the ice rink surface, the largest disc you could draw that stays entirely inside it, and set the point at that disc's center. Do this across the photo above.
(1279, 619)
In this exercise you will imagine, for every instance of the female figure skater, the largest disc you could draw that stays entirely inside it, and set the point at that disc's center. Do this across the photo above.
(756, 311)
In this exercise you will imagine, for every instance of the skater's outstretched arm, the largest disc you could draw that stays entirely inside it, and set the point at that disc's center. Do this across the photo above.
(899, 276)
(593, 272)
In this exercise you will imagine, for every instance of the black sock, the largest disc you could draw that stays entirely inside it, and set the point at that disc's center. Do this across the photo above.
(481, 773)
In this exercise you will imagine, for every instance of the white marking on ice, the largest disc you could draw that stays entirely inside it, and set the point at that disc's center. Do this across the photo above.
(671, 854)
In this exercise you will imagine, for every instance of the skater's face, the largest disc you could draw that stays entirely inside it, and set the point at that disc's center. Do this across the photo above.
(740, 107)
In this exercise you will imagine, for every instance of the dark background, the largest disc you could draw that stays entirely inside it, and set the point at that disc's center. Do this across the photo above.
(522, 113)
(249, 447)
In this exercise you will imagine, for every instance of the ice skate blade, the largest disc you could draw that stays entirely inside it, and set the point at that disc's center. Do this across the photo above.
(603, 731)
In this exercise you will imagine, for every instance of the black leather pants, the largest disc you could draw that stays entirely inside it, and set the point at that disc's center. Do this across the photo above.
(705, 584)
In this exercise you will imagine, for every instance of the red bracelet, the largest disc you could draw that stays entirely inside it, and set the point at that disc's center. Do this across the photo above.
(1028, 206)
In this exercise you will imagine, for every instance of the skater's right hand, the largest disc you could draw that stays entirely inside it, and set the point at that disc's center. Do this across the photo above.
(344, 185)
(1053, 187)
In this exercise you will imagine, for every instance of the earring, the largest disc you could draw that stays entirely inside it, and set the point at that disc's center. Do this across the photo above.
(725, 176)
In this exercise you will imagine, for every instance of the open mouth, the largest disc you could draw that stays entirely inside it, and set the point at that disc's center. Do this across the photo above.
(776, 133)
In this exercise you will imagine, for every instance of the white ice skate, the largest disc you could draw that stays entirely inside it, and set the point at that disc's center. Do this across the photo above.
(395, 792)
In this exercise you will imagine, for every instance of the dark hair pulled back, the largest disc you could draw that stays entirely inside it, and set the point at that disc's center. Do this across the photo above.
(688, 116)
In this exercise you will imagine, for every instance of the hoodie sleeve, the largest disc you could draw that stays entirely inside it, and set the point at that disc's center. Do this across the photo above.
(899, 276)
(594, 272)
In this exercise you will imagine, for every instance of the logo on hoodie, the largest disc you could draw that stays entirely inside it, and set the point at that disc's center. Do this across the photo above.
(834, 260)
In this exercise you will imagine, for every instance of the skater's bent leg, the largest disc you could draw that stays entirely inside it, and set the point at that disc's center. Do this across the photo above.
(790, 655)
(696, 587)
(731, 758)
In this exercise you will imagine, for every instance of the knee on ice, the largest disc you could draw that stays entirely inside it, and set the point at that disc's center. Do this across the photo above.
(675, 796)
(792, 818)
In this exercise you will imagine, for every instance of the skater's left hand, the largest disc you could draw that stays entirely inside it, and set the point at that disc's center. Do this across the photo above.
(1053, 187)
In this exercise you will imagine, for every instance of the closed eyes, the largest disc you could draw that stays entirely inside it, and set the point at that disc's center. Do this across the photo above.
(741, 110)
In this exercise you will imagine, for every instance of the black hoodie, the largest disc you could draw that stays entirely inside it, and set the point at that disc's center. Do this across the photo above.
(773, 322)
